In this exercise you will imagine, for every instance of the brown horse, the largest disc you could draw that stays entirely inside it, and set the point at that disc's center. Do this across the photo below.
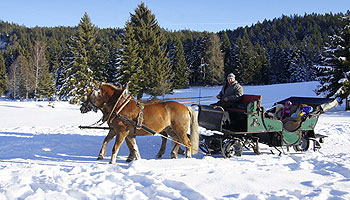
(170, 116)
(87, 106)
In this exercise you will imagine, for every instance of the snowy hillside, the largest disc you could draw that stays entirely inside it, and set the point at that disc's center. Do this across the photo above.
(44, 155)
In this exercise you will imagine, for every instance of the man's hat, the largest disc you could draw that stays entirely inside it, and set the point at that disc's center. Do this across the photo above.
(230, 75)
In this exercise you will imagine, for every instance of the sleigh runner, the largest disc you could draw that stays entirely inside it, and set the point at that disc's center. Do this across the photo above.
(247, 125)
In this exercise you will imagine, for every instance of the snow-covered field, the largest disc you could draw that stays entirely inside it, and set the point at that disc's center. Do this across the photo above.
(44, 155)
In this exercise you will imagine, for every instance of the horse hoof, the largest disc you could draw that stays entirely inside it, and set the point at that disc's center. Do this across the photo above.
(100, 158)
(158, 156)
(173, 156)
(181, 151)
(131, 159)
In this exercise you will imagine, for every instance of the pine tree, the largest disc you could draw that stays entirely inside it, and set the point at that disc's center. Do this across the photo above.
(263, 75)
(227, 51)
(213, 68)
(153, 76)
(97, 55)
(84, 67)
(297, 66)
(279, 57)
(131, 70)
(161, 73)
(195, 60)
(3, 76)
(64, 64)
(301, 62)
(180, 66)
(114, 59)
(46, 83)
(246, 58)
(335, 74)
(234, 66)
(54, 54)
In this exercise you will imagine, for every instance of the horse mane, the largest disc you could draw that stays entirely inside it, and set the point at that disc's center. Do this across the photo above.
(111, 90)
(111, 85)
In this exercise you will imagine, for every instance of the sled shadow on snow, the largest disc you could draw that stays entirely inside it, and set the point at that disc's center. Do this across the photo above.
(71, 147)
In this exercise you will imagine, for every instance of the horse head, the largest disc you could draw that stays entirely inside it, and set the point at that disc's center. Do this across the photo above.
(104, 94)
(88, 101)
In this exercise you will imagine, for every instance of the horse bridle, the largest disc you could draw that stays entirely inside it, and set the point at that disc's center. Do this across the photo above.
(88, 101)
(124, 98)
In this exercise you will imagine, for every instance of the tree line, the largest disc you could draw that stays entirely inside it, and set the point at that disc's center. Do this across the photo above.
(42, 62)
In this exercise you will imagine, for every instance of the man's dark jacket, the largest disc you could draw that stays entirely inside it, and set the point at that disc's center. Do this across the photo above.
(233, 92)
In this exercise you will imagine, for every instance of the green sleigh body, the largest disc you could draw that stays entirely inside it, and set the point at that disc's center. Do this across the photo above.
(247, 125)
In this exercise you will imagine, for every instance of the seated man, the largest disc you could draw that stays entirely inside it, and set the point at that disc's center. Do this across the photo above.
(231, 93)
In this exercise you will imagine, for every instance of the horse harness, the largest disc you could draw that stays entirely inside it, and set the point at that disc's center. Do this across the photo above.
(122, 101)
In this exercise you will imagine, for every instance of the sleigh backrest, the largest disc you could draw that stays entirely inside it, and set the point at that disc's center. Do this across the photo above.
(248, 103)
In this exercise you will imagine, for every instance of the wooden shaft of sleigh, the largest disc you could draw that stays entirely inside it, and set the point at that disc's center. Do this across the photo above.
(125, 119)
(94, 127)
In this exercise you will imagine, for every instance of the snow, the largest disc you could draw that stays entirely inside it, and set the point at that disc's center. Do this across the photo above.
(44, 155)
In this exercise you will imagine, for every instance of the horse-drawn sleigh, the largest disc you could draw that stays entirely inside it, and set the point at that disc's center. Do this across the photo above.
(246, 125)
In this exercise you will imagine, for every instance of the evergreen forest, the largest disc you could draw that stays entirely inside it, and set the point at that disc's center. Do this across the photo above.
(61, 62)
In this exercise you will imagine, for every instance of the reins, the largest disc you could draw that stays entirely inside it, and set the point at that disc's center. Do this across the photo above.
(145, 128)
(155, 101)
(180, 98)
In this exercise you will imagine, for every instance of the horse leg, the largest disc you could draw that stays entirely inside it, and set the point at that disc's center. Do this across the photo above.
(175, 150)
(187, 143)
(181, 151)
(133, 149)
(163, 146)
(120, 137)
(188, 148)
(107, 139)
(181, 134)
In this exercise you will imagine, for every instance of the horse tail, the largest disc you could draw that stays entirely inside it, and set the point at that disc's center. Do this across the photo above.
(194, 131)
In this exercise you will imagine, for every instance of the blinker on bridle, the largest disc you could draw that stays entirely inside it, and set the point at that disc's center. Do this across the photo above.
(86, 99)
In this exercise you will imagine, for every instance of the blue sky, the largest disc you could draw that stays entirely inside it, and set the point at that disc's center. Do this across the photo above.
(197, 15)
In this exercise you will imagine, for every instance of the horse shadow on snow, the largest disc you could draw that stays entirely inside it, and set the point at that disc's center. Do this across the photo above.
(71, 147)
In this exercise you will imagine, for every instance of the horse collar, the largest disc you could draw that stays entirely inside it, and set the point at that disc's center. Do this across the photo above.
(122, 101)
